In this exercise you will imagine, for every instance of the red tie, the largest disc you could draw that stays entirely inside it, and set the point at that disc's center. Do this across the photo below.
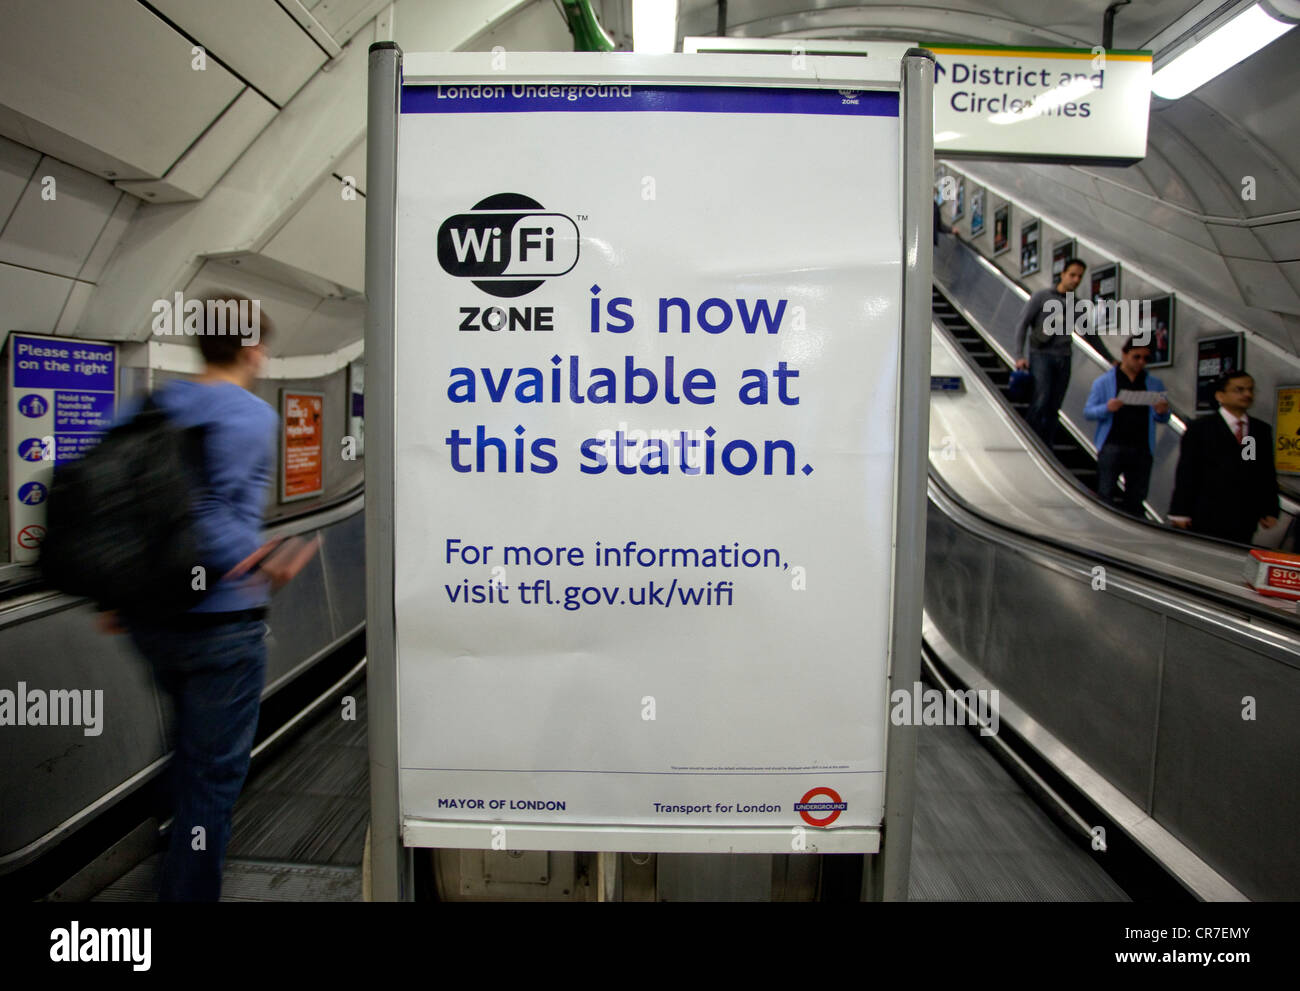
(1240, 431)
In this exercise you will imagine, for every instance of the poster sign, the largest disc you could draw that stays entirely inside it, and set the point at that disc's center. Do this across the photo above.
(1162, 331)
(302, 466)
(62, 400)
(959, 204)
(1287, 418)
(977, 211)
(357, 404)
(1214, 357)
(1029, 247)
(1062, 252)
(1104, 289)
(644, 478)
(1049, 104)
(1001, 229)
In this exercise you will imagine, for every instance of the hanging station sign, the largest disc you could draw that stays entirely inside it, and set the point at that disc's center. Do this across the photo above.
(1041, 104)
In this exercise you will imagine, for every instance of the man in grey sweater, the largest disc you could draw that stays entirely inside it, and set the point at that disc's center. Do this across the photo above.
(1043, 343)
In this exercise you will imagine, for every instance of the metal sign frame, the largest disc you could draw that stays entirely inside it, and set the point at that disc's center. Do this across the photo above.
(885, 875)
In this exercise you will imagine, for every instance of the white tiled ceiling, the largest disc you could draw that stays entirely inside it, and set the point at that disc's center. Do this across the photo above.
(108, 74)
(343, 18)
(29, 300)
(56, 235)
(338, 256)
(16, 166)
(256, 38)
(354, 164)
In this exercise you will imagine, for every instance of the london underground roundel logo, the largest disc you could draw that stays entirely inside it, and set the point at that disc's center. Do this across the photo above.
(508, 244)
(831, 804)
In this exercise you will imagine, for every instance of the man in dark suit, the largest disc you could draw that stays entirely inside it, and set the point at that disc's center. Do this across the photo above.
(1226, 485)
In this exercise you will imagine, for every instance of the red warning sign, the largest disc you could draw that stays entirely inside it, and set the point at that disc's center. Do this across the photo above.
(30, 537)
(834, 806)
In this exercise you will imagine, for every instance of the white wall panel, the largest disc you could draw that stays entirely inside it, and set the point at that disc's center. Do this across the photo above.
(1154, 214)
(354, 164)
(73, 307)
(56, 235)
(343, 18)
(1260, 285)
(207, 159)
(326, 237)
(1281, 239)
(539, 27)
(109, 74)
(288, 308)
(1261, 98)
(256, 38)
(1239, 242)
(17, 163)
(31, 301)
(1163, 175)
(334, 324)
(109, 238)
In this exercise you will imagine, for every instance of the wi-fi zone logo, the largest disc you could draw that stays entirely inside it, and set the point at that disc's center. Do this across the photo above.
(830, 803)
(508, 244)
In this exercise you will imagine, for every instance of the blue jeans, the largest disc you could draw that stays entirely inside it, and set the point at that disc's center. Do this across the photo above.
(1051, 374)
(215, 677)
(1134, 463)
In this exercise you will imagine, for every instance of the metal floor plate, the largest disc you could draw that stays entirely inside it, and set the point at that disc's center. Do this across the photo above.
(250, 881)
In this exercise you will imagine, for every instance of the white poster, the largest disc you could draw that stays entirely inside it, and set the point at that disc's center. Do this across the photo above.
(647, 354)
(1054, 103)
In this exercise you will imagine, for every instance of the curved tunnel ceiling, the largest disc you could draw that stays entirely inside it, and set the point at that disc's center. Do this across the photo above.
(271, 200)
(1179, 213)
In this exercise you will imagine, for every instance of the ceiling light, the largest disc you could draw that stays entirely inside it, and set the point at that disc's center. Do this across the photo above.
(1218, 51)
(654, 26)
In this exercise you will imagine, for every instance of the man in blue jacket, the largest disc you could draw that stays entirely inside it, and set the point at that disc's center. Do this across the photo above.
(1126, 431)
(212, 660)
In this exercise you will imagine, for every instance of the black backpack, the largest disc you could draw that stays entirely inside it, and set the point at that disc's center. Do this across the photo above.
(121, 524)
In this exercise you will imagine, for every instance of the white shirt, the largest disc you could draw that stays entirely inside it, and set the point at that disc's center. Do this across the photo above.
(1232, 422)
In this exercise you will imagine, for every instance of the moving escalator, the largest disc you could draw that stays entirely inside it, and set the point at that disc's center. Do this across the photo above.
(1130, 658)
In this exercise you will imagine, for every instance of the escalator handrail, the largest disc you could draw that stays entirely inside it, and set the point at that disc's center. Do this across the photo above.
(1210, 600)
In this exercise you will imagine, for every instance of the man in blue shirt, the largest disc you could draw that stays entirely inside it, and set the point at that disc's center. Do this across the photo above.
(1126, 431)
(212, 660)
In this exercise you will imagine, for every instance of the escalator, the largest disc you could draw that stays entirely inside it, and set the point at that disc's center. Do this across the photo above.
(1122, 650)
(993, 364)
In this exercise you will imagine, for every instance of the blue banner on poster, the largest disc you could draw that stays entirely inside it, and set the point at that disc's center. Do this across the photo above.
(42, 363)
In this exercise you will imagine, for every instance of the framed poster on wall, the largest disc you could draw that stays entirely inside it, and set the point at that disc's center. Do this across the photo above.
(1162, 331)
(1062, 252)
(1029, 247)
(1001, 229)
(302, 444)
(1286, 417)
(1104, 292)
(357, 404)
(976, 212)
(959, 204)
(1214, 356)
